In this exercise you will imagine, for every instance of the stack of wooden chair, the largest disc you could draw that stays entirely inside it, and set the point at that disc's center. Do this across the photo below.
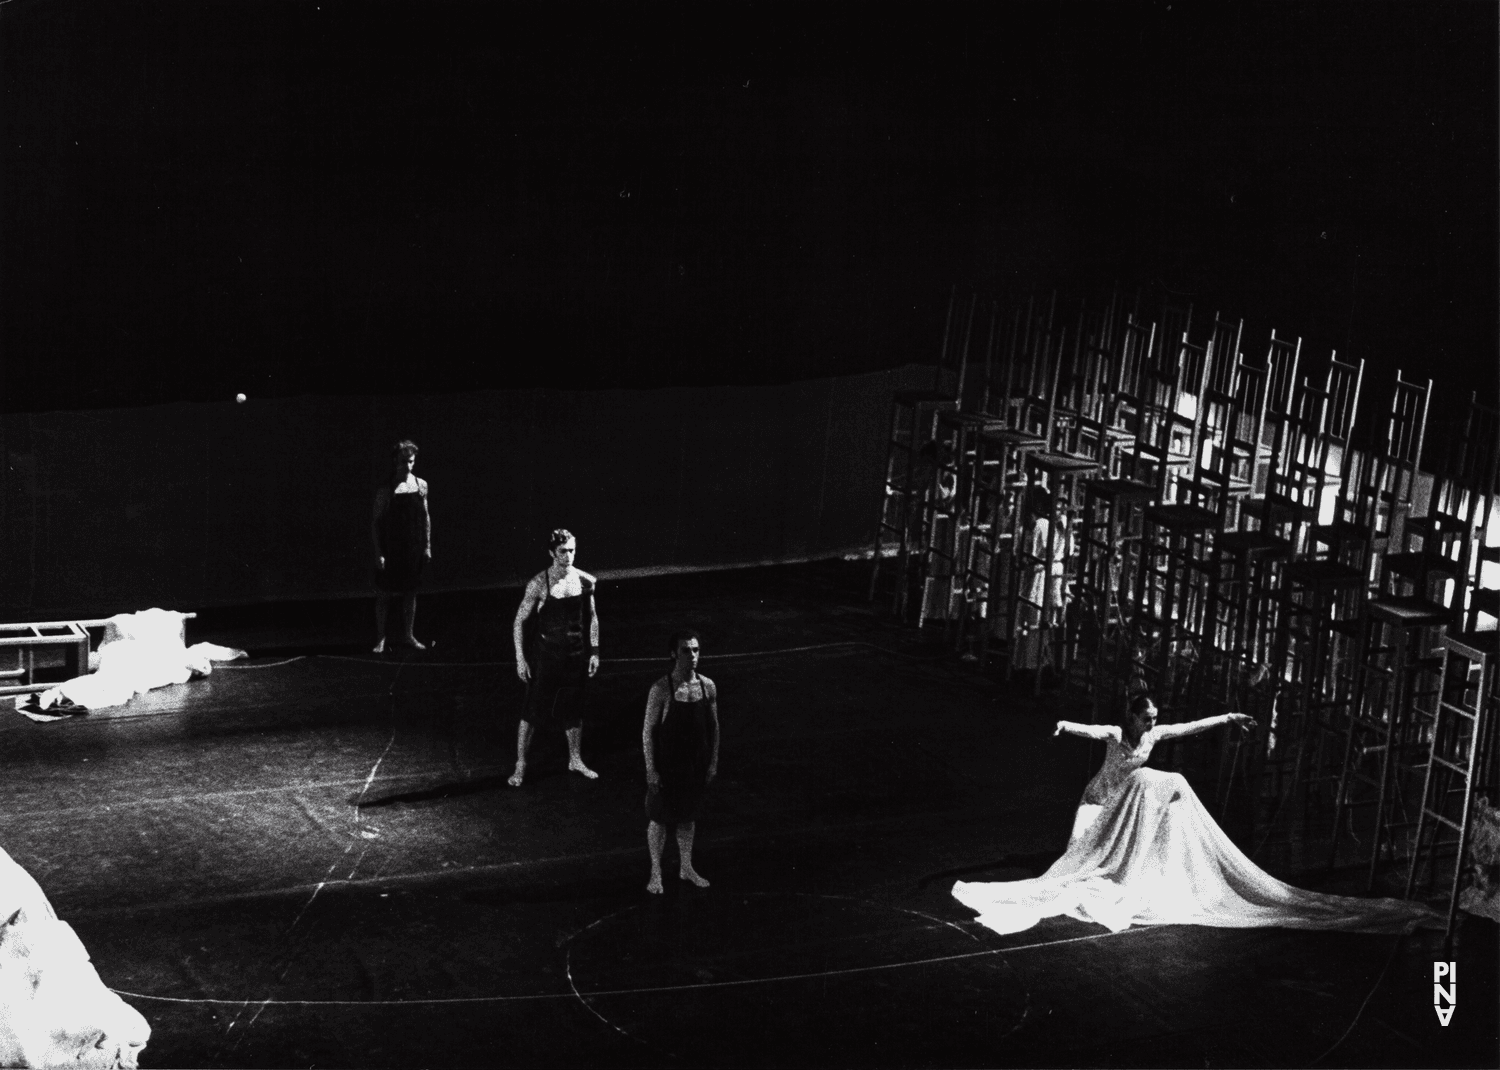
(1101, 495)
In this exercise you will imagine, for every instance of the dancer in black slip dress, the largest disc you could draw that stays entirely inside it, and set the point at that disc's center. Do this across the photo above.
(560, 656)
(402, 530)
(680, 741)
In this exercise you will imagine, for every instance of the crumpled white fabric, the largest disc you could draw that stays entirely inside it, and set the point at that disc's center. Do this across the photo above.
(1482, 897)
(140, 651)
(1151, 854)
(54, 1008)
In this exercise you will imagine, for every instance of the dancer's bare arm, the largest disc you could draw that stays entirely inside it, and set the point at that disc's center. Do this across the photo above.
(427, 517)
(527, 608)
(1088, 731)
(382, 499)
(711, 694)
(1206, 724)
(591, 583)
(656, 701)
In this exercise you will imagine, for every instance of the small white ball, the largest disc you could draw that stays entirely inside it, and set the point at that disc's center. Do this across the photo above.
(240, 398)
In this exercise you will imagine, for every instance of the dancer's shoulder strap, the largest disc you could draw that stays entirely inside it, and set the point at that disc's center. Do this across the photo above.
(669, 692)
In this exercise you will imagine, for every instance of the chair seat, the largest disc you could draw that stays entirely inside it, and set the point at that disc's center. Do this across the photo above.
(1486, 600)
(1183, 517)
(1344, 531)
(1416, 564)
(1287, 508)
(1318, 573)
(980, 420)
(923, 397)
(1008, 437)
(1252, 544)
(1121, 490)
(1063, 463)
(1409, 610)
(1426, 523)
(1474, 645)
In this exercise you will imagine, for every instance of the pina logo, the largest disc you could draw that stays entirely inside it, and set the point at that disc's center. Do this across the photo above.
(1444, 994)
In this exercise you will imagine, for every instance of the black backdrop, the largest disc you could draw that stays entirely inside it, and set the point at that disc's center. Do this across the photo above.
(323, 205)
(197, 504)
(353, 198)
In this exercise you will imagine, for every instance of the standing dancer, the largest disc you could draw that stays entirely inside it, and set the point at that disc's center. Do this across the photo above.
(1145, 851)
(563, 653)
(1043, 599)
(402, 530)
(681, 743)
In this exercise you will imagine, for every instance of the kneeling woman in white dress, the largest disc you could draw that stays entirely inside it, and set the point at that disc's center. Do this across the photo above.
(1145, 851)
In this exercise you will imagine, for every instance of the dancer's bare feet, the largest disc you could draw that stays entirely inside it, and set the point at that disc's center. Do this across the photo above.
(380, 647)
(654, 885)
(411, 641)
(688, 873)
(518, 776)
(575, 765)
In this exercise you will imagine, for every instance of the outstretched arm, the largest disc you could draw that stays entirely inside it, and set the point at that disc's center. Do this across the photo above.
(1087, 731)
(1206, 724)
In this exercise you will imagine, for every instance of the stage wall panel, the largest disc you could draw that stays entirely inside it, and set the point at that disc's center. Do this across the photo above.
(185, 506)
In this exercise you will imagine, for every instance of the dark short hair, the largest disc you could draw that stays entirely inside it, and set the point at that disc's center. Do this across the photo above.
(1138, 703)
(405, 446)
(683, 635)
(558, 537)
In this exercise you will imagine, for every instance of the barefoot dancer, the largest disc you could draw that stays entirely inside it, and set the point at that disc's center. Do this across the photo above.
(1144, 851)
(403, 542)
(563, 654)
(681, 743)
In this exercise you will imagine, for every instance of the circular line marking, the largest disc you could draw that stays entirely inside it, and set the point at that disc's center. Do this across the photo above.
(644, 990)
(821, 974)
(221, 666)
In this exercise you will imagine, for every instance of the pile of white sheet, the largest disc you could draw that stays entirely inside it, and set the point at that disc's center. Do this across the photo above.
(54, 1009)
(140, 651)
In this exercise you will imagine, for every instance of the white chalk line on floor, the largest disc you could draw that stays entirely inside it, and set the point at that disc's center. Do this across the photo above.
(583, 997)
(296, 786)
(642, 991)
(221, 666)
(420, 876)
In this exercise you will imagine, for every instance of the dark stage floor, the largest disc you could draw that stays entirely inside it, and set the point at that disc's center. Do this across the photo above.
(316, 862)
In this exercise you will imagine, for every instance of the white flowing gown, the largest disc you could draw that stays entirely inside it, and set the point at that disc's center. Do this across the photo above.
(1145, 851)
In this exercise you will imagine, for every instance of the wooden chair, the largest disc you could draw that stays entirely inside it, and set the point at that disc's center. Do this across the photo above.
(1378, 487)
(1451, 535)
(911, 428)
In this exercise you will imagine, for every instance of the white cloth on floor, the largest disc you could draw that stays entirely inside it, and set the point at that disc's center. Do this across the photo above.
(1482, 896)
(1145, 851)
(140, 651)
(54, 1008)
